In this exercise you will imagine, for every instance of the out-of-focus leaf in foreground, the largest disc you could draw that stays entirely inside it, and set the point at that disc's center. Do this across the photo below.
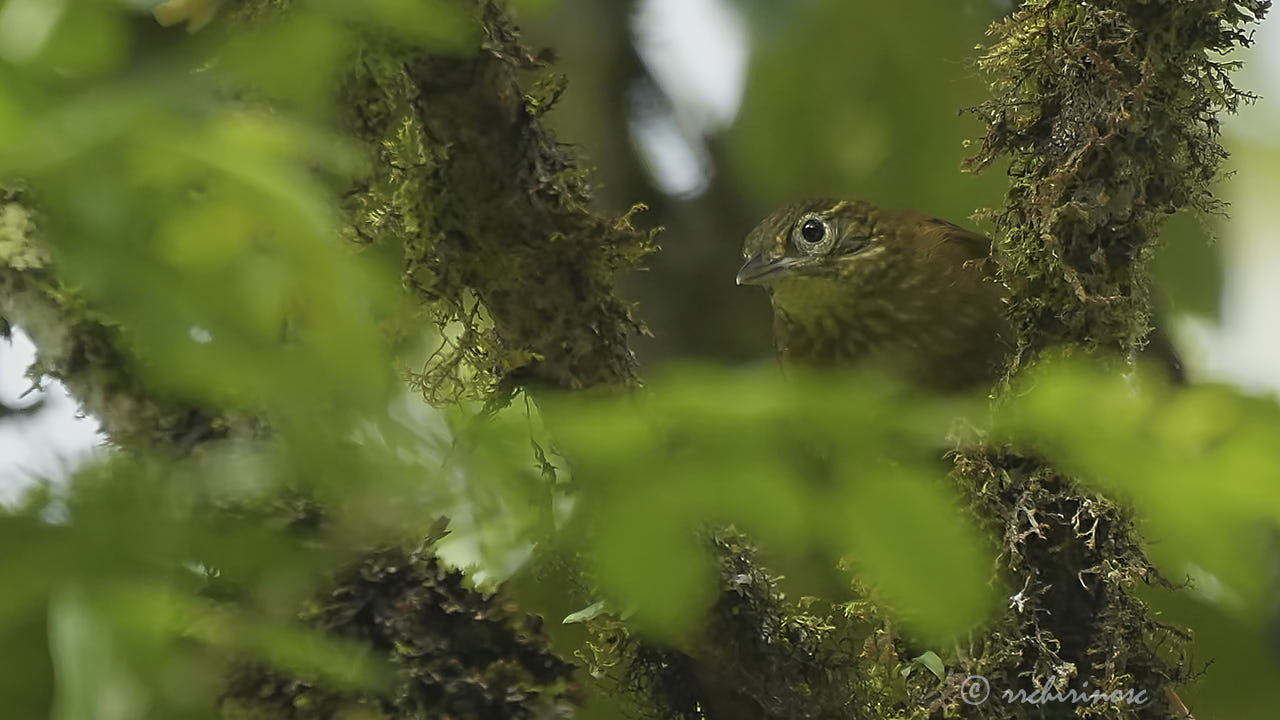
(184, 191)
(146, 602)
(1200, 463)
(200, 217)
(827, 110)
(850, 465)
(1201, 466)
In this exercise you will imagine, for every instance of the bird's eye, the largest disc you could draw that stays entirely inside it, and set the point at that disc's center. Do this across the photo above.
(812, 234)
(813, 231)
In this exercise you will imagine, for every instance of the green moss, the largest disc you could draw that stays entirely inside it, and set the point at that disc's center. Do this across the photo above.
(491, 217)
(456, 652)
(1107, 115)
(84, 350)
(764, 655)
(19, 248)
(1073, 560)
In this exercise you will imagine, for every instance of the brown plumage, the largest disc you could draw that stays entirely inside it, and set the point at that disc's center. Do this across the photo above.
(853, 283)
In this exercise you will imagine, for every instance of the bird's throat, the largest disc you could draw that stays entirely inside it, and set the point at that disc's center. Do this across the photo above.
(828, 320)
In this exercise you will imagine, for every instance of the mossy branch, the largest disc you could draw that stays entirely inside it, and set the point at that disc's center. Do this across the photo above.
(87, 352)
(486, 205)
(1108, 115)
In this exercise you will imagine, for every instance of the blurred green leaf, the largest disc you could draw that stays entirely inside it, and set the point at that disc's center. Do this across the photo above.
(906, 536)
(93, 678)
(1188, 267)
(441, 25)
(846, 463)
(91, 39)
(285, 646)
(62, 37)
(1240, 653)
(1197, 462)
(241, 293)
(830, 112)
(293, 58)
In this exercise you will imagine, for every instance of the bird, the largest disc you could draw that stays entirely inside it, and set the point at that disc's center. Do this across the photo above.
(852, 283)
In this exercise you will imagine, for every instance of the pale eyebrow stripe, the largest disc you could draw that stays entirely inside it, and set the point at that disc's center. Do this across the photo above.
(838, 207)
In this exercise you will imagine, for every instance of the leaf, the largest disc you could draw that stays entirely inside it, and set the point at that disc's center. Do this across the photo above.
(196, 13)
(931, 661)
(1134, 437)
(587, 613)
(93, 681)
(907, 537)
(776, 458)
(302, 650)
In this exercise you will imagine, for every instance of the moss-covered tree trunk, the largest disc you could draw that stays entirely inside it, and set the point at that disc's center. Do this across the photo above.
(1108, 114)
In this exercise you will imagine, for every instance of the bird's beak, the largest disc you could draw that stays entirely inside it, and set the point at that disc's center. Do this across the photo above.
(761, 270)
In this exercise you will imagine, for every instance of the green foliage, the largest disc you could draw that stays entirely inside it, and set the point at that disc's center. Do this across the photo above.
(1199, 464)
(762, 655)
(217, 213)
(458, 654)
(803, 464)
(827, 114)
(1162, 448)
(788, 463)
(176, 249)
(120, 577)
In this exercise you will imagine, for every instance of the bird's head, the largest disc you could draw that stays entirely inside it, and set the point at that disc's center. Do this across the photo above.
(848, 280)
(814, 238)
